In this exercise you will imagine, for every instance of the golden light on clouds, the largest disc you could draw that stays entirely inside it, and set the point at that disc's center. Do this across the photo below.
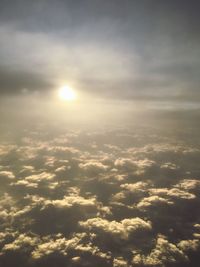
(66, 93)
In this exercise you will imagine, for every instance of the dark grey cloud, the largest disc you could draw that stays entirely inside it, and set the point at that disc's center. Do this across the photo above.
(147, 48)
(18, 81)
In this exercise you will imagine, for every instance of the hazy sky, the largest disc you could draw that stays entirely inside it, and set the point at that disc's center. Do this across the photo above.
(144, 49)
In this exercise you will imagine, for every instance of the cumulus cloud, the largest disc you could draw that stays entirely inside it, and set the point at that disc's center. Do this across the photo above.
(40, 177)
(27, 170)
(93, 167)
(64, 203)
(7, 204)
(196, 234)
(22, 242)
(122, 229)
(25, 183)
(6, 175)
(153, 201)
(134, 165)
(162, 254)
(73, 200)
(169, 165)
(173, 193)
(189, 184)
(120, 262)
(136, 187)
(60, 245)
(189, 245)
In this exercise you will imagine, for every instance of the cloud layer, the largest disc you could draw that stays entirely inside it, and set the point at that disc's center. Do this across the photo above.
(114, 199)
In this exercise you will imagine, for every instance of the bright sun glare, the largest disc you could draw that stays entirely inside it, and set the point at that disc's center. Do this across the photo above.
(67, 94)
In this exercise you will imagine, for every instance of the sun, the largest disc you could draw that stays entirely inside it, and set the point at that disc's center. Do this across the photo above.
(66, 93)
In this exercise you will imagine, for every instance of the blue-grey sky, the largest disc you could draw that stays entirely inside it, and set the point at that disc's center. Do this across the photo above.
(131, 49)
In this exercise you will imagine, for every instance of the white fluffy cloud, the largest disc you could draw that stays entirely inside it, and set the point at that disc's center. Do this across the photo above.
(163, 253)
(136, 187)
(137, 166)
(60, 245)
(7, 175)
(153, 201)
(44, 176)
(173, 193)
(93, 167)
(189, 184)
(120, 229)
(21, 242)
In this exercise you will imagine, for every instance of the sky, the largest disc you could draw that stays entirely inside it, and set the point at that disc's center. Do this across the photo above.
(136, 50)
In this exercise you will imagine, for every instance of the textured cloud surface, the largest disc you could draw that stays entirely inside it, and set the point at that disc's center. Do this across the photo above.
(118, 198)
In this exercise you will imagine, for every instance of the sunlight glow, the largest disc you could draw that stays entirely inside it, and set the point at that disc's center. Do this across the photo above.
(67, 94)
